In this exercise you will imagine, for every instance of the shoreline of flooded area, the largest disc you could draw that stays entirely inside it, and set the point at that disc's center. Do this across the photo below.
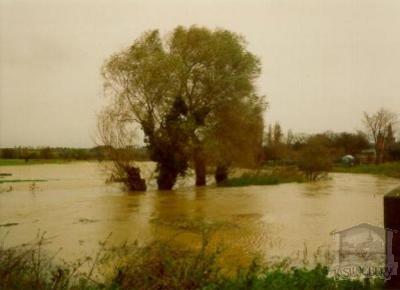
(77, 209)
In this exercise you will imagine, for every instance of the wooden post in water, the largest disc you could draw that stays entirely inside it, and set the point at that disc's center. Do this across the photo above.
(392, 222)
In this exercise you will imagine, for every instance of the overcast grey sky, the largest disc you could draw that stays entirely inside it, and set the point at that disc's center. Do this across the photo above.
(324, 62)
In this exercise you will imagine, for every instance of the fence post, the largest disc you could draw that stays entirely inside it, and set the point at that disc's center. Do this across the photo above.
(391, 207)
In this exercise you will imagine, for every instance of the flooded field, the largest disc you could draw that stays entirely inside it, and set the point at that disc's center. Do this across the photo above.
(73, 205)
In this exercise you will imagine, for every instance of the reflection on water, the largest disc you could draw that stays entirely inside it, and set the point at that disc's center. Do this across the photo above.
(77, 209)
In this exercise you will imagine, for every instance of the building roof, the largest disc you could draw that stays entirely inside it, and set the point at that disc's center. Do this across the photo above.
(363, 225)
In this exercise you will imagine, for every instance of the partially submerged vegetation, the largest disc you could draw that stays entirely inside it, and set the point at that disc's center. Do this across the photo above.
(157, 266)
(391, 169)
(253, 179)
(178, 91)
(270, 176)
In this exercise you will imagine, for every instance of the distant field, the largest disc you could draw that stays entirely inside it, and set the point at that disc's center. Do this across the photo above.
(391, 169)
(21, 180)
(12, 162)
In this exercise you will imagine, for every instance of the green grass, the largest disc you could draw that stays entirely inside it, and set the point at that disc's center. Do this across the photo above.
(13, 162)
(159, 265)
(246, 180)
(271, 177)
(391, 169)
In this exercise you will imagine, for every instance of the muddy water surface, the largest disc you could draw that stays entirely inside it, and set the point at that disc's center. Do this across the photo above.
(77, 209)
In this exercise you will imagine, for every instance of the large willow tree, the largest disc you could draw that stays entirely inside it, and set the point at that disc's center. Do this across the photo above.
(184, 92)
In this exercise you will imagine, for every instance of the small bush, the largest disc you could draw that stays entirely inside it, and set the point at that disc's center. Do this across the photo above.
(315, 160)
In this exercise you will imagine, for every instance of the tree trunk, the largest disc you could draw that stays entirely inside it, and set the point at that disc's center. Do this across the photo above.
(221, 173)
(166, 178)
(378, 157)
(200, 170)
(380, 151)
(133, 180)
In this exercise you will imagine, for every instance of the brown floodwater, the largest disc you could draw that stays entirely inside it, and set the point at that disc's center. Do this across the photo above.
(77, 209)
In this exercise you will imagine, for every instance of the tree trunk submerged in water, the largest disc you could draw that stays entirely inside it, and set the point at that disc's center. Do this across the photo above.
(221, 173)
(133, 180)
(166, 178)
(200, 174)
(200, 170)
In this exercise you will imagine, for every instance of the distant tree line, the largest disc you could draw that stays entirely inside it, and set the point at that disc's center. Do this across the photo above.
(380, 127)
(98, 153)
(315, 154)
(378, 136)
(288, 147)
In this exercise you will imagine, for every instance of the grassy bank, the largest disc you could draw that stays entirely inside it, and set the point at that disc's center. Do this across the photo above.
(13, 162)
(156, 266)
(267, 176)
(391, 169)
